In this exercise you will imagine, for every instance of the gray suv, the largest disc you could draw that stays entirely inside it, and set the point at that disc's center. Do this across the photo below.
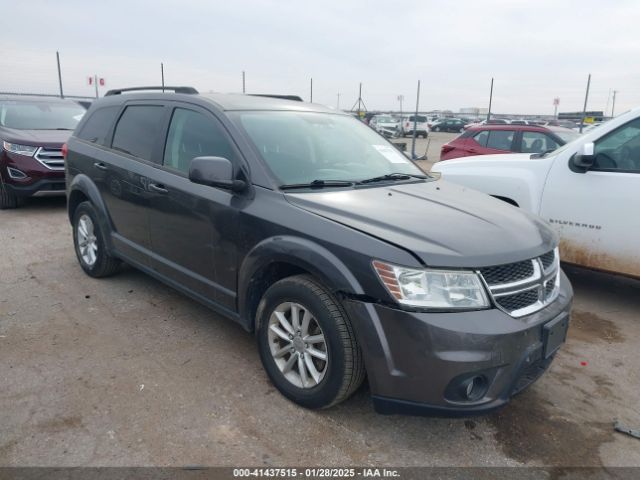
(313, 232)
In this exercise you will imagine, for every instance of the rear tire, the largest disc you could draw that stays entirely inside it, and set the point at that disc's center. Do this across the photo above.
(283, 345)
(89, 243)
(437, 129)
(8, 200)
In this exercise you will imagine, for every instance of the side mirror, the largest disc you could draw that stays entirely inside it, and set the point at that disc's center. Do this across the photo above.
(584, 158)
(215, 172)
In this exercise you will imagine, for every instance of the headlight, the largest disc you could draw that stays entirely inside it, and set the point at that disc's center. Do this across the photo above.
(442, 289)
(19, 149)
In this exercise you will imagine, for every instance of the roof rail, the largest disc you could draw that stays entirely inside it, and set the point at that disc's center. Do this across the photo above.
(295, 98)
(118, 91)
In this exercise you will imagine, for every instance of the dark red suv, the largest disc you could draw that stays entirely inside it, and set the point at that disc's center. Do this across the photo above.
(493, 139)
(32, 133)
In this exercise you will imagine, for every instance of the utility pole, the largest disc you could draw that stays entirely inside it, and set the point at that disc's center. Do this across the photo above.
(95, 82)
(243, 84)
(311, 91)
(59, 74)
(415, 120)
(586, 97)
(162, 74)
(400, 99)
(490, 100)
(613, 106)
(360, 103)
(606, 107)
(338, 103)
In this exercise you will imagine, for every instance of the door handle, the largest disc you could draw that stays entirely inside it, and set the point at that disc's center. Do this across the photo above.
(100, 165)
(157, 188)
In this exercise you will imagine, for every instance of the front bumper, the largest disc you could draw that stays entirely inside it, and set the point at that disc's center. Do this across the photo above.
(417, 361)
(38, 180)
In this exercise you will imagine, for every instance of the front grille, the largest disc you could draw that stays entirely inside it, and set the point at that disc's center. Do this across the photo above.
(518, 300)
(547, 259)
(522, 288)
(511, 272)
(50, 157)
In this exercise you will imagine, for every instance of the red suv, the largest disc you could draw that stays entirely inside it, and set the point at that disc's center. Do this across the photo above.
(492, 139)
(32, 133)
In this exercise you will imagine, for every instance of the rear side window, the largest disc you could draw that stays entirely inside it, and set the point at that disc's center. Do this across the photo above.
(500, 139)
(96, 129)
(191, 135)
(138, 131)
(482, 137)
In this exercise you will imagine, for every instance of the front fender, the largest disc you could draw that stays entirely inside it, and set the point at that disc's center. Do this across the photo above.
(300, 252)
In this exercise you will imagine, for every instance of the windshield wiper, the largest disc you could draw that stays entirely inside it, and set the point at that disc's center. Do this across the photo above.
(542, 154)
(318, 184)
(393, 176)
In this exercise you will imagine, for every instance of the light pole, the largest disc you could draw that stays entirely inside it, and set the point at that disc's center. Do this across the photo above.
(400, 99)
(613, 106)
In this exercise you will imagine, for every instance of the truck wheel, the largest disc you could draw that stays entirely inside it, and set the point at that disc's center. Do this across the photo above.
(7, 199)
(89, 243)
(307, 344)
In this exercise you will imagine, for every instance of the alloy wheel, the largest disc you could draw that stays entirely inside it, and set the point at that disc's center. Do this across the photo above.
(298, 345)
(87, 241)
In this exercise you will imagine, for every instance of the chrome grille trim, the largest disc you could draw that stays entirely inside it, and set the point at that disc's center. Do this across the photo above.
(51, 158)
(544, 281)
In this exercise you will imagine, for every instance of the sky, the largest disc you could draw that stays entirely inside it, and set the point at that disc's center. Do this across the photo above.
(536, 51)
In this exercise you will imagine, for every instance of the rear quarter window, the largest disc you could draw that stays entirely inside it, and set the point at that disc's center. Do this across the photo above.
(96, 128)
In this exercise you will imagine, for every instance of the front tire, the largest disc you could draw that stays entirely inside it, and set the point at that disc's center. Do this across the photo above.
(307, 344)
(8, 200)
(437, 129)
(89, 243)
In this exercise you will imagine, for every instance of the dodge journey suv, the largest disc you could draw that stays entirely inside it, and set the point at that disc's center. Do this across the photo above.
(32, 132)
(313, 232)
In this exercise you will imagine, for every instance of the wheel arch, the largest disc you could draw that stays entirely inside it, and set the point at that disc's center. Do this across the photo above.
(279, 257)
(83, 189)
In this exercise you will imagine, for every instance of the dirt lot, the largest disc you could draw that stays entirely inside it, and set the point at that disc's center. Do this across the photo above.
(125, 371)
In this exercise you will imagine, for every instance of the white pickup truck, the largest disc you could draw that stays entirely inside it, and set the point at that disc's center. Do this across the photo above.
(588, 190)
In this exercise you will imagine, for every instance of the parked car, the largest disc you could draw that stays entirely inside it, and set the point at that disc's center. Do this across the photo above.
(32, 132)
(421, 125)
(493, 121)
(448, 125)
(306, 228)
(386, 125)
(496, 139)
(588, 190)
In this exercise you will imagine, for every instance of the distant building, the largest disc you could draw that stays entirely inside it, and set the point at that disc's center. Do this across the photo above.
(477, 111)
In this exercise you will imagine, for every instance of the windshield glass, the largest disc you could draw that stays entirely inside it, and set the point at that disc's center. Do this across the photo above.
(385, 119)
(24, 115)
(567, 136)
(300, 147)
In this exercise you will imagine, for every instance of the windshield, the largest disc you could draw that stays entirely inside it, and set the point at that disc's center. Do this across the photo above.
(385, 119)
(567, 136)
(300, 147)
(24, 115)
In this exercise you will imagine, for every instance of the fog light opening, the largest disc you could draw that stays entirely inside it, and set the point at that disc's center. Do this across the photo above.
(16, 174)
(474, 388)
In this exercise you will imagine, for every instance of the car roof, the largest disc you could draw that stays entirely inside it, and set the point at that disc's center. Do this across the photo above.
(35, 98)
(225, 101)
(526, 128)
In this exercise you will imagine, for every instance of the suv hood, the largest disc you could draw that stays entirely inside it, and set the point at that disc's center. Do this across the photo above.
(36, 138)
(442, 224)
